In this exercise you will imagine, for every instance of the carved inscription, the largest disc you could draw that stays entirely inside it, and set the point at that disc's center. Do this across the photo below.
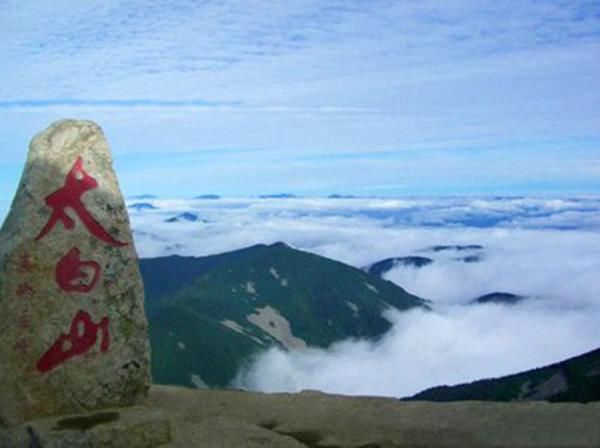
(24, 321)
(25, 291)
(74, 275)
(77, 183)
(25, 265)
(21, 346)
(82, 336)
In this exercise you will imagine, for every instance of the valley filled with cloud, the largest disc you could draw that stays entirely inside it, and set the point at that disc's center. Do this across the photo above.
(546, 250)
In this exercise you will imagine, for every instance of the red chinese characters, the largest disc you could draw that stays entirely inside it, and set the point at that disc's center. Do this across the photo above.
(25, 291)
(77, 183)
(26, 265)
(21, 346)
(81, 338)
(74, 275)
(24, 321)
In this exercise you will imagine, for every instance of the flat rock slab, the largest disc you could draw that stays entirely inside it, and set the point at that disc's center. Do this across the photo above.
(322, 420)
(224, 432)
(134, 427)
(174, 417)
(73, 332)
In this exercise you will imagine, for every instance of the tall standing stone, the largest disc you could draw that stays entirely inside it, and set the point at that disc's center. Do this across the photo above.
(73, 333)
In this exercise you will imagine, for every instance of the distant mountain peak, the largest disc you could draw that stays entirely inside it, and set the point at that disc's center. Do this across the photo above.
(380, 268)
(341, 196)
(281, 245)
(144, 196)
(504, 298)
(208, 196)
(186, 216)
(141, 206)
(278, 196)
(454, 247)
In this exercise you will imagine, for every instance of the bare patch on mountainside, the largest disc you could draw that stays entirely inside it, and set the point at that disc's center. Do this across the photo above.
(271, 322)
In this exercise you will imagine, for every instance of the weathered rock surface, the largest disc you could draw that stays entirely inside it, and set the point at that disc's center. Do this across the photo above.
(173, 417)
(322, 420)
(225, 432)
(133, 427)
(73, 334)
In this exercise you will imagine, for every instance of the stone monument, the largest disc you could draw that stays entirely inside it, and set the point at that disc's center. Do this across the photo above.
(73, 333)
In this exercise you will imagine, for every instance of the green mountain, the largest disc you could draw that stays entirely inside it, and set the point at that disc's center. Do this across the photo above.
(455, 247)
(209, 315)
(576, 379)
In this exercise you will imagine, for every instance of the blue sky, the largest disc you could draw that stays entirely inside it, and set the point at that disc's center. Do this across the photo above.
(313, 97)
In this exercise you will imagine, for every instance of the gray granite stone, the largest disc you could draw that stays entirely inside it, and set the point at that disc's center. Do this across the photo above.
(73, 333)
(132, 427)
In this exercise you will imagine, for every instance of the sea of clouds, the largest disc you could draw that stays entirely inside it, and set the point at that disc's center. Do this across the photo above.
(546, 249)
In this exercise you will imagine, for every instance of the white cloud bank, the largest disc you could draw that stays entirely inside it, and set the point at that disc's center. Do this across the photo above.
(548, 249)
(448, 346)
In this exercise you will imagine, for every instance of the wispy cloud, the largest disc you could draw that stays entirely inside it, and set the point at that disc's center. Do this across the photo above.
(180, 105)
(308, 76)
(233, 49)
(111, 103)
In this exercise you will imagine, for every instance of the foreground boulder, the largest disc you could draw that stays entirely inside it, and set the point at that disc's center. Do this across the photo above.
(73, 334)
(131, 427)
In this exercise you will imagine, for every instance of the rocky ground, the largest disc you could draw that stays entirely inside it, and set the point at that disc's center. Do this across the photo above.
(178, 417)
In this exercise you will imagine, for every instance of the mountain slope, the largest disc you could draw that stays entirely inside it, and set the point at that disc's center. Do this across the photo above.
(207, 315)
(164, 275)
(575, 379)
